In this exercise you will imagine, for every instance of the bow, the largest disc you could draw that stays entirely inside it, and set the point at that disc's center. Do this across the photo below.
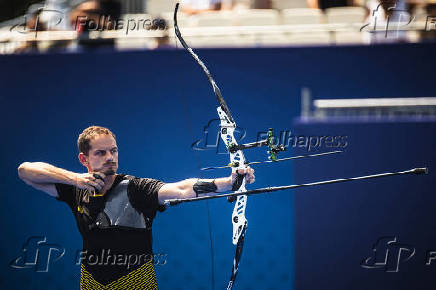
(228, 127)
(238, 161)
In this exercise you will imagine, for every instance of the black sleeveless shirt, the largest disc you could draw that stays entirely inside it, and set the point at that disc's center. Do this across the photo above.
(116, 228)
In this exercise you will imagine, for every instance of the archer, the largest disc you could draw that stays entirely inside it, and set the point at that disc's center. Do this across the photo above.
(114, 212)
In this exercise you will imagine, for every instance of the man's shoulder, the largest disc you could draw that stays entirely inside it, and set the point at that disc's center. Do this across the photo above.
(124, 176)
(143, 184)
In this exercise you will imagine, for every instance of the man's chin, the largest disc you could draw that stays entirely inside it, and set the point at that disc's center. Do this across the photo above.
(109, 171)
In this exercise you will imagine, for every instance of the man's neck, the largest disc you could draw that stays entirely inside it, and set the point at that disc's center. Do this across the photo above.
(108, 182)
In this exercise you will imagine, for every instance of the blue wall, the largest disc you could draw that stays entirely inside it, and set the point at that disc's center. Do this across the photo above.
(338, 226)
(158, 103)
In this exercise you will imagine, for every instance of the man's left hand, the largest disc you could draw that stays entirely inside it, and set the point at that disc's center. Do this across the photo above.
(248, 172)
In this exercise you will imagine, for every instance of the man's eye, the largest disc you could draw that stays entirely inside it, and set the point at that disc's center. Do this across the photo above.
(114, 150)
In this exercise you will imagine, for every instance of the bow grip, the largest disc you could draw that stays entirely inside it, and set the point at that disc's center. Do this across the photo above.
(236, 185)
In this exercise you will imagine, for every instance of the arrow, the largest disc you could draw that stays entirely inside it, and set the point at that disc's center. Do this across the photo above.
(272, 161)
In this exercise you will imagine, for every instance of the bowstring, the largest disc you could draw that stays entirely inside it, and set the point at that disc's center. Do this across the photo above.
(198, 162)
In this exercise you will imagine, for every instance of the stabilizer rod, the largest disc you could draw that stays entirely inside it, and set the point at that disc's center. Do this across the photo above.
(173, 202)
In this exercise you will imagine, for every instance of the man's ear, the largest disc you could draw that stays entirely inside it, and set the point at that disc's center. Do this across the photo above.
(83, 159)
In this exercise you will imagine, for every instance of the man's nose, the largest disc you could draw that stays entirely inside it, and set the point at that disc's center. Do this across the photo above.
(109, 156)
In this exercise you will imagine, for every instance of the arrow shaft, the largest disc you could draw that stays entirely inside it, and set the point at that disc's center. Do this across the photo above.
(278, 160)
(296, 157)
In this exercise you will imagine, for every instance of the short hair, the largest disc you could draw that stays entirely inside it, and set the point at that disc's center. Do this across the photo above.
(84, 140)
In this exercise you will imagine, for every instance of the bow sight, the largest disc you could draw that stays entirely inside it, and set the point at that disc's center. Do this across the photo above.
(269, 141)
(273, 150)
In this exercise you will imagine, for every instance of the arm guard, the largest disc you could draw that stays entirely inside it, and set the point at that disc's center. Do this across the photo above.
(203, 187)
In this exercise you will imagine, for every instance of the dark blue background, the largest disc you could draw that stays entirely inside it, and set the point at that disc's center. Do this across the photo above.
(158, 103)
(337, 226)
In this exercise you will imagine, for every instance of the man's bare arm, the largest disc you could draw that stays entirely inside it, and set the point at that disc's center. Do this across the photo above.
(43, 176)
(200, 187)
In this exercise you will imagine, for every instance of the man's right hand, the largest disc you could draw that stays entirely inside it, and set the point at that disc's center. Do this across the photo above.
(89, 181)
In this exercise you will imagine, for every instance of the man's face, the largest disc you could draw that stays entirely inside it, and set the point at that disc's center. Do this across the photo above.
(103, 155)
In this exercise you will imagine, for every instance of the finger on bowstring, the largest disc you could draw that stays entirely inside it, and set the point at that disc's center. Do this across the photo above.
(99, 175)
(89, 188)
(95, 185)
(99, 181)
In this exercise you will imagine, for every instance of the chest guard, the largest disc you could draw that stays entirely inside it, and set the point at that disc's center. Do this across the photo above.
(118, 211)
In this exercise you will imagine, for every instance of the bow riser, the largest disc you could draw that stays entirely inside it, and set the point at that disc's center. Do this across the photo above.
(227, 135)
